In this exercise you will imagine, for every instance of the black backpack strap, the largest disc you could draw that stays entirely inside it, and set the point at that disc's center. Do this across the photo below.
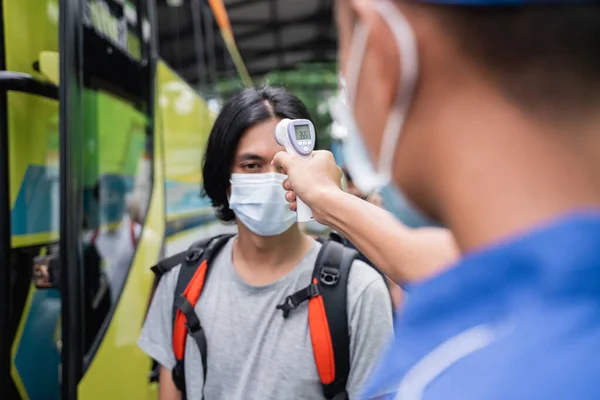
(327, 297)
(292, 301)
(333, 236)
(191, 260)
(331, 273)
(164, 266)
(336, 237)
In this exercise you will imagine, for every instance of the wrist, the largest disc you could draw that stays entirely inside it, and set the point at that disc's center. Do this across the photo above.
(327, 204)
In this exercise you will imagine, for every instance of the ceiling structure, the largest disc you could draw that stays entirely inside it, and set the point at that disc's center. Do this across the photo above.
(279, 34)
(270, 35)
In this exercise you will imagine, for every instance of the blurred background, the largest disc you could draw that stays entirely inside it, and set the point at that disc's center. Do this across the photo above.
(285, 43)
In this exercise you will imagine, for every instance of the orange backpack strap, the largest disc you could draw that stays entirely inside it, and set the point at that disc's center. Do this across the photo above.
(327, 316)
(195, 266)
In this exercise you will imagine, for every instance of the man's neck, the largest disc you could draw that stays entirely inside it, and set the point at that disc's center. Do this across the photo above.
(261, 260)
(513, 174)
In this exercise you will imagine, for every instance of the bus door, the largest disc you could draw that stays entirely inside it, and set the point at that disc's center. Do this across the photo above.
(75, 127)
(106, 247)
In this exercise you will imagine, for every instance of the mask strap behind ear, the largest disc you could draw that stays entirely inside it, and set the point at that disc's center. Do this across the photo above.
(409, 71)
(355, 62)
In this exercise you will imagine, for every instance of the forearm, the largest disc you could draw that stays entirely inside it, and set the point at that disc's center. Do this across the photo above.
(166, 387)
(402, 253)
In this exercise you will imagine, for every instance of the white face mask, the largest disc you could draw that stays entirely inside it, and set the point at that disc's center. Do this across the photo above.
(258, 201)
(365, 175)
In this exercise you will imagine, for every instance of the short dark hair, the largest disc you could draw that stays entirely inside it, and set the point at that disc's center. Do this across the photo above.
(244, 110)
(544, 57)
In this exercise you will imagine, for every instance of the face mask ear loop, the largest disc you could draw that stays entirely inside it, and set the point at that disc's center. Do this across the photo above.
(409, 71)
(357, 52)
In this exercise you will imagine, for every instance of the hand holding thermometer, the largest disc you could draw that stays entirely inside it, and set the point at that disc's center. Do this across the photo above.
(298, 137)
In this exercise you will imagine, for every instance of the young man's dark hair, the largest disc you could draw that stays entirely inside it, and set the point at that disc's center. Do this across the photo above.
(245, 109)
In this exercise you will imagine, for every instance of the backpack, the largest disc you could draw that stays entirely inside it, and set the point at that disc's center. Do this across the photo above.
(327, 309)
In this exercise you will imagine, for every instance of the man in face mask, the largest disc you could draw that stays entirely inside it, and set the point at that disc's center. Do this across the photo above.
(481, 115)
(256, 349)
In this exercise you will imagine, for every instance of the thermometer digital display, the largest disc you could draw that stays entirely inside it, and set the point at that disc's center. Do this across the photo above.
(298, 137)
(302, 132)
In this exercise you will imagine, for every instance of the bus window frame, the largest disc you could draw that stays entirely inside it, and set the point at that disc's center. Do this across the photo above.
(5, 231)
(70, 124)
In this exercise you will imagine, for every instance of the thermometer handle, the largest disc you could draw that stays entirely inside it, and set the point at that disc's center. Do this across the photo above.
(303, 212)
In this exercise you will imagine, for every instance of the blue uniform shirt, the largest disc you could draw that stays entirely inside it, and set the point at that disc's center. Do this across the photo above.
(519, 321)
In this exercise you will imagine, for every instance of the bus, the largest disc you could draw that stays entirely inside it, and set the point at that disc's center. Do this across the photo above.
(101, 147)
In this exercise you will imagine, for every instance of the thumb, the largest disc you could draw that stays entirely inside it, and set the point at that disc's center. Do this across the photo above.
(282, 160)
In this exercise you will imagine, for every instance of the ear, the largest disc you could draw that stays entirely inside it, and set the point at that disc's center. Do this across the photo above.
(382, 54)
(363, 12)
(349, 13)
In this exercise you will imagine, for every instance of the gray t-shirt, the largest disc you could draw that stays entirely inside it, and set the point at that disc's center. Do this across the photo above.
(253, 352)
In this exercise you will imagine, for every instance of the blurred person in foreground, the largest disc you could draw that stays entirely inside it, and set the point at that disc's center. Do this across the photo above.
(483, 116)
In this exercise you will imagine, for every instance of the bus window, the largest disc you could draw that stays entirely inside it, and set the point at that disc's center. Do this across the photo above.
(114, 154)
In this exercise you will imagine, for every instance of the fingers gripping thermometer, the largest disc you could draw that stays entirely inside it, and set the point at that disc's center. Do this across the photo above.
(298, 137)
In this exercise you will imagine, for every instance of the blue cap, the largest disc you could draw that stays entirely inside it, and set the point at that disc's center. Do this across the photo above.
(492, 3)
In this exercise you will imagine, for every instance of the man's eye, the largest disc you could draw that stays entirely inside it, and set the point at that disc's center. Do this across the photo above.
(250, 166)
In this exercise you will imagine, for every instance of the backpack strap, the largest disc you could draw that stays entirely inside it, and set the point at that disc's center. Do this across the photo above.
(328, 318)
(190, 283)
(333, 236)
(195, 262)
(336, 237)
(164, 266)
(327, 315)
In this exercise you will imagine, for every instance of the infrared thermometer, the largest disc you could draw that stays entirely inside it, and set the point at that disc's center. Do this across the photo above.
(298, 137)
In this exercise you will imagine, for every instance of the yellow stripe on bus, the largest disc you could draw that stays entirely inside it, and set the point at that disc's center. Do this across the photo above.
(33, 239)
(13, 353)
